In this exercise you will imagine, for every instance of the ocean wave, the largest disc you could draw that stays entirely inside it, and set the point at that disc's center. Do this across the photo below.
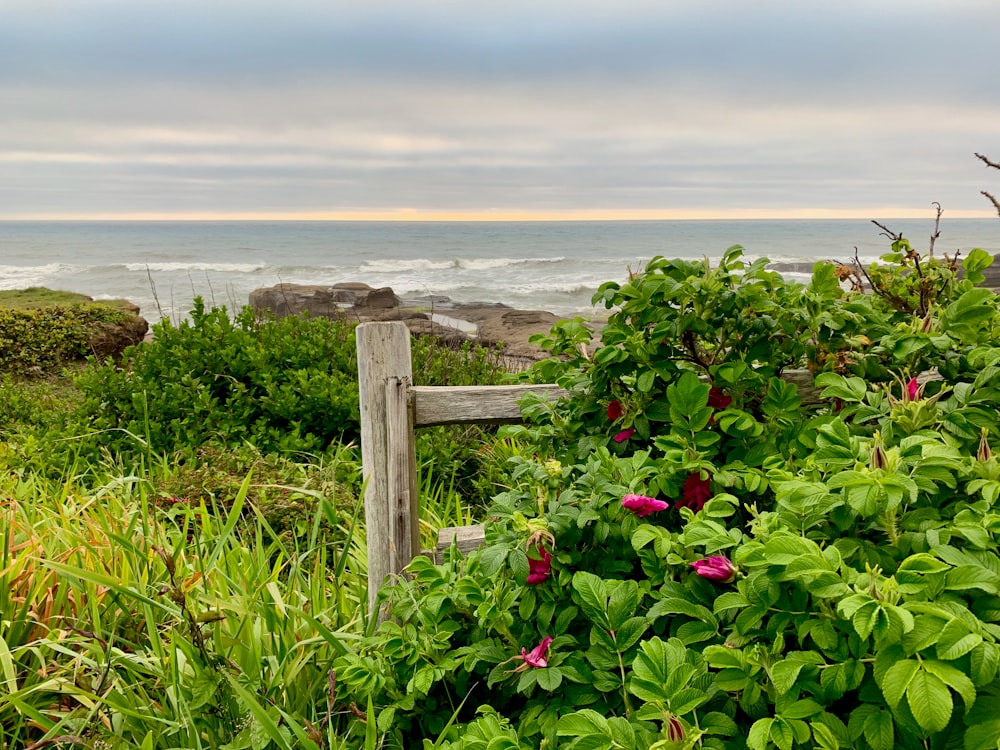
(399, 265)
(221, 267)
(486, 264)
(19, 277)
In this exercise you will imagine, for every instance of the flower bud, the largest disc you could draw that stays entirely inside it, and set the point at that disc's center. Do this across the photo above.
(984, 453)
(876, 457)
(717, 568)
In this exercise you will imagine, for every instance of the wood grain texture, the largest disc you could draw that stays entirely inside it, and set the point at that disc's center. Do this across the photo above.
(465, 538)
(491, 404)
(404, 508)
(383, 352)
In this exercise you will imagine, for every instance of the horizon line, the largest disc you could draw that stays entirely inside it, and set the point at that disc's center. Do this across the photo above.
(414, 215)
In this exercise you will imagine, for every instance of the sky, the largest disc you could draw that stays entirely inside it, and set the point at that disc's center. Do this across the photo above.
(432, 109)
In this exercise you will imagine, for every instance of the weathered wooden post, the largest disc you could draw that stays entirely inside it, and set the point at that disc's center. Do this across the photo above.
(387, 451)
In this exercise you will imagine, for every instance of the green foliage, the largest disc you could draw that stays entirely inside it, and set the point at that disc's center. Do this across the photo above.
(38, 340)
(288, 385)
(825, 573)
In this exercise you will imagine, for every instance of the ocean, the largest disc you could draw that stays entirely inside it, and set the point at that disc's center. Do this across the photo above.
(554, 266)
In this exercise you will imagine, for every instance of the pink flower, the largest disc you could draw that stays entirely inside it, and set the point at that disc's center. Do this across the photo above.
(696, 493)
(536, 657)
(717, 568)
(642, 506)
(539, 570)
(913, 390)
(675, 730)
(624, 435)
(719, 400)
(615, 410)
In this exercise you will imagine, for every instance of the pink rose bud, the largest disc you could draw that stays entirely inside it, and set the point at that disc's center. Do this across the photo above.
(913, 389)
(624, 435)
(717, 568)
(642, 506)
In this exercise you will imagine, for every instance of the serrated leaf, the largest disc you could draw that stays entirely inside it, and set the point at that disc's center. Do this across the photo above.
(956, 640)
(954, 678)
(729, 600)
(630, 632)
(930, 701)
(592, 596)
(880, 730)
(622, 603)
(760, 734)
(549, 678)
(784, 674)
(897, 679)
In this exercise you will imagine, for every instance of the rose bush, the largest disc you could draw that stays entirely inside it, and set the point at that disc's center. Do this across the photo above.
(743, 569)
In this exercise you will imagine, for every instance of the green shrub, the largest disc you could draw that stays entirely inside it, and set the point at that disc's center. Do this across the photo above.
(696, 558)
(288, 386)
(39, 340)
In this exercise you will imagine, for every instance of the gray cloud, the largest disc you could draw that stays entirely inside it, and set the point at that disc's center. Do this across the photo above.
(226, 106)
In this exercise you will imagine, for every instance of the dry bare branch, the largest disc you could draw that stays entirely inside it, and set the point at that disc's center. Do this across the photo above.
(987, 162)
(937, 229)
(991, 199)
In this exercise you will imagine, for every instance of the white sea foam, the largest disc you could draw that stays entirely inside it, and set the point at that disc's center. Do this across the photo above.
(200, 267)
(19, 277)
(401, 265)
(486, 264)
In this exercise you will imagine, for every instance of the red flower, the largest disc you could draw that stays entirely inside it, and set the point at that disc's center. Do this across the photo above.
(717, 568)
(539, 570)
(913, 390)
(624, 435)
(696, 493)
(642, 506)
(719, 400)
(615, 410)
(536, 657)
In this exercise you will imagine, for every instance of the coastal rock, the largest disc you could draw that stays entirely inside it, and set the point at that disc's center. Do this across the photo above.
(320, 301)
(489, 323)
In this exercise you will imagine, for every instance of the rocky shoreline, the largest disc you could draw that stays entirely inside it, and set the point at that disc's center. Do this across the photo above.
(487, 324)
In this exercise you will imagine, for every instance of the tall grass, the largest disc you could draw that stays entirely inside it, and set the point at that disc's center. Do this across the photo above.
(122, 625)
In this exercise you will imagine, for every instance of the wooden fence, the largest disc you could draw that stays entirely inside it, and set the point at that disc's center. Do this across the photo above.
(391, 408)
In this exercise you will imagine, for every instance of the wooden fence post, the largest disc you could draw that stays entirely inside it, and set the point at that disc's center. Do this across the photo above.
(387, 452)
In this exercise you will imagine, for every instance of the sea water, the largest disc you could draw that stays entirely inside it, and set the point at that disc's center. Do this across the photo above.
(555, 266)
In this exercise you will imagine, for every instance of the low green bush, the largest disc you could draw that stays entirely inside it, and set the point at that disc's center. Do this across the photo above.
(41, 340)
(690, 556)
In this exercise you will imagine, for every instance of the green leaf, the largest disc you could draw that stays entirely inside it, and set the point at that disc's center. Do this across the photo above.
(644, 383)
(784, 674)
(592, 596)
(630, 632)
(954, 678)
(622, 604)
(973, 577)
(549, 678)
(585, 723)
(659, 670)
(956, 640)
(879, 730)
(897, 679)
(675, 605)
(760, 734)
(930, 701)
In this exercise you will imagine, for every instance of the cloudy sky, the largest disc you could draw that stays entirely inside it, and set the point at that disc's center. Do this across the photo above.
(474, 108)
